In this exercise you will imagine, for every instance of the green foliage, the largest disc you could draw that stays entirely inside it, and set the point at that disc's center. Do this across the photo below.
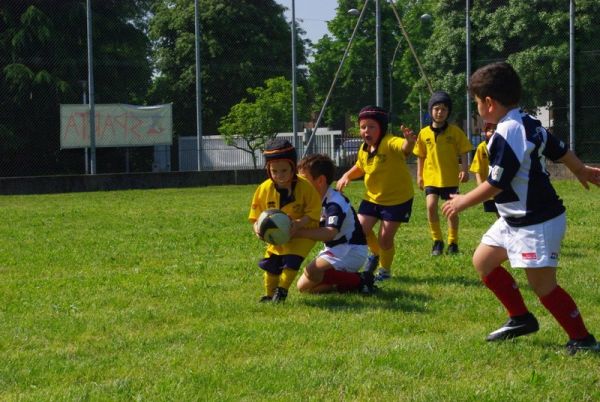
(242, 44)
(153, 295)
(259, 121)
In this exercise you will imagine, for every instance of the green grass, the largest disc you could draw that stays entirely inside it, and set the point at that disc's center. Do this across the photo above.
(153, 295)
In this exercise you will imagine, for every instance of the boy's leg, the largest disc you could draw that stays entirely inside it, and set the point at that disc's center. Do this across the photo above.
(321, 277)
(433, 220)
(453, 234)
(312, 276)
(557, 301)
(387, 232)
(487, 260)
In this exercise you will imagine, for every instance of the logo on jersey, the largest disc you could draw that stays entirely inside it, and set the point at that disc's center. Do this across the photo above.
(529, 256)
(496, 173)
(332, 220)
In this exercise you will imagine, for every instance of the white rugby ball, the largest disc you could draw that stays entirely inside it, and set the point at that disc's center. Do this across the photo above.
(274, 226)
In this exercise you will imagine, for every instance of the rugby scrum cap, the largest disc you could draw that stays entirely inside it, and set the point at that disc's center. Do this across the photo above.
(280, 149)
(376, 113)
(440, 97)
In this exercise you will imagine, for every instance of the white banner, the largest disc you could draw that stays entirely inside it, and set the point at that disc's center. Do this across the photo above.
(117, 125)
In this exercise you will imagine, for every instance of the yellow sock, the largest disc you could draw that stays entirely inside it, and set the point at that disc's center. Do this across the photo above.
(386, 257)
(373, 243)
(270, 282)
(435, 230)
(452, 235)
(287, 277)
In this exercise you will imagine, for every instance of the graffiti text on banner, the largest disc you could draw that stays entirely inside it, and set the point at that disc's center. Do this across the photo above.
(117, 125)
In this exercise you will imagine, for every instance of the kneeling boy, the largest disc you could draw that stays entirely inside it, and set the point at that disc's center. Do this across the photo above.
(337, 266)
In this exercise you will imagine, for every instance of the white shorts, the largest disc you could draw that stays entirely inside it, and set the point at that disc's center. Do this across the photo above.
(535, 246)
(345, 257)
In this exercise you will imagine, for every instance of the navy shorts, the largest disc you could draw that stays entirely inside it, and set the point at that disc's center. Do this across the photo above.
(276, 263)
(442, 192)
(393, 213)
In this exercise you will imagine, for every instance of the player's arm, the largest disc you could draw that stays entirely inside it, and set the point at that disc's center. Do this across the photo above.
(351, 174)
(463, 175)
(323, 234)
(585, 174)
(411, 139)
(460, 202)
(420, 163)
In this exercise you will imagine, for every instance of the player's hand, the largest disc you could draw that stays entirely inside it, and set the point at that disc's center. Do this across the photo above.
(463, 176)
(420, 182)
(342, 183)
(588, 175)
(453, 206)
(408, 133)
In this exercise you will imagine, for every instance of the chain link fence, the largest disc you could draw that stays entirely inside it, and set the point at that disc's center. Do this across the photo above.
(39, 71)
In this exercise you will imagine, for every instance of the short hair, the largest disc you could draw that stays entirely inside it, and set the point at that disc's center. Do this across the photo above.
(317, 165)
(499, 81)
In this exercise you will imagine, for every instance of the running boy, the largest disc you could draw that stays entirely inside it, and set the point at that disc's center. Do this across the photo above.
(389, 196)
(481, 165)
(438, 148)
(532, 217)
(296, 197)
(345, 253)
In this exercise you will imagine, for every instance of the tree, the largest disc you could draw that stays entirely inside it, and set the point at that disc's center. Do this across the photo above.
(356, 83)
(43, 61)
(242, 44)
(255, 123)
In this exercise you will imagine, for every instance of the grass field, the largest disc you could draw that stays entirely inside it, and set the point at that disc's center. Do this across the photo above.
(153, 295)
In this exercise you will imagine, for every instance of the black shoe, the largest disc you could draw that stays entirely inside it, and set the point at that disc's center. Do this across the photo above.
(438, 248)
(452, 248)
(372, 263)
(367, 280)
(280, 295)
(265, 299)
(587, 343)
(515, 326)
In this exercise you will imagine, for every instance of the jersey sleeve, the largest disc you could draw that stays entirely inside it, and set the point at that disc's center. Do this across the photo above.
(555, 148)
(420, 150)
(504, 163)
(255, 207)
(334, 216)
(464, 143)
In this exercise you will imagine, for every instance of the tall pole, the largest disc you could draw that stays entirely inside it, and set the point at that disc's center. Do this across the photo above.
(572, 75)
(392, 83)
(198, 86)
(378, 76)
(92, 107)
(294, 116)
(468, 72)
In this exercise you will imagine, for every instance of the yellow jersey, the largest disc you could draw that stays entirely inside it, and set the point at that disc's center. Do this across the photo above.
(481, 161)
(305, 200)
(441, 165)
(387, 179)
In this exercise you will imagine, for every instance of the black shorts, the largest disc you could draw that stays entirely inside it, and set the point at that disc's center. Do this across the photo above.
(393, 213)
(442, 192)
(276, 263)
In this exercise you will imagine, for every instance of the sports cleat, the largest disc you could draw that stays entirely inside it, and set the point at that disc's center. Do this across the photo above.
(452, 248)
(367, 280)
(438, 248)
(382, 275)
(372, 263)
(514, 327)
(280, 295)
(265, 299)
(587, 343)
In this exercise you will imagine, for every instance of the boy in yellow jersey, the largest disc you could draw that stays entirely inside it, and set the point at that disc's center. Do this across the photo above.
(438, 149)
(481, 164)
(298, 198)
(389, 196)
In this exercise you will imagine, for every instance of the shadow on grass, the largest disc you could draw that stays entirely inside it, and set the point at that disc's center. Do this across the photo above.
(391, 299)
(438, 279)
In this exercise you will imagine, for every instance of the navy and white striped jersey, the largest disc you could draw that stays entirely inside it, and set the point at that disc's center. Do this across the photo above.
(518, 151)
(337, 212)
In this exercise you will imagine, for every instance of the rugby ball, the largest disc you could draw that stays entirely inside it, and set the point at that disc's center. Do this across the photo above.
(274, 226)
